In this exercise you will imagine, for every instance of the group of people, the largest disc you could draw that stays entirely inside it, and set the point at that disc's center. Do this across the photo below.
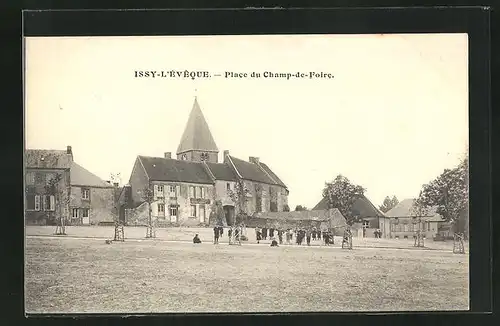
(219, 232)
(299, 233)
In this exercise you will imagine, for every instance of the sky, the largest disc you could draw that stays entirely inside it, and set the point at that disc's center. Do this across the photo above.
(394, 116)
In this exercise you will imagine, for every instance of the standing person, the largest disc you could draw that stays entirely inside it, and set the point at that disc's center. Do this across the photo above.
(308, 237)
(280, 236)
(287, 236)
(271, 233)
(313, 233)
(258, 234)
(216, 235)
(230, 233)
(221, 231)
(264, 233)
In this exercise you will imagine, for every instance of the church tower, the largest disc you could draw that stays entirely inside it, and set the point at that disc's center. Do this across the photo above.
(197, 143)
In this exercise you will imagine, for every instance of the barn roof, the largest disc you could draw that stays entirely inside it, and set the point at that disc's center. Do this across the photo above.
(259, 172)
(82, 177)
(405, 208)
(362, 206)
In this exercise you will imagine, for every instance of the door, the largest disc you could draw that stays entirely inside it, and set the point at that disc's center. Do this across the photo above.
(85, 216)
(173, 214)
(202, 214)
(229, 214)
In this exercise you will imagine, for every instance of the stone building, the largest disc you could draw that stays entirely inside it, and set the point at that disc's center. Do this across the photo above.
(92, 199)
(186, 189)
(372, 218)
(57, 186)
(45, 204)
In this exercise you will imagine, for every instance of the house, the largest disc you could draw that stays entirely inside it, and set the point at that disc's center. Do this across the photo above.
(92, 199)
(47, 185)
(321, 219)
(185, 189)
(57, 186)
(372, 218)
(404, 221)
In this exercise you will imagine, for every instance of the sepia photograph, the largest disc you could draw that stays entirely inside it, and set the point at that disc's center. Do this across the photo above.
(246, 173)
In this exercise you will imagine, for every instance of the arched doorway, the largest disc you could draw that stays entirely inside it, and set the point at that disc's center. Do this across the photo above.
(229, 214)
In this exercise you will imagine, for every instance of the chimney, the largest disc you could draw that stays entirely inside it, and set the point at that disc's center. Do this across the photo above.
(224, 159)
(168, 155)
(253, 159)
(115, 184)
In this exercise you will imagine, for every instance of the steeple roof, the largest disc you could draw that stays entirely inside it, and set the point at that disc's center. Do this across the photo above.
(197, 135)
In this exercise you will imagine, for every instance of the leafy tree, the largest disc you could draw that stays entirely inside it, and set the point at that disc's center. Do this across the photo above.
(449, 192)
(299, 208)
(388, 204)
(240, 196)
(342, 194)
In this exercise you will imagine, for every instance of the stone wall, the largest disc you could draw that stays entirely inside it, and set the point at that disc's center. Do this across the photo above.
(100, 204)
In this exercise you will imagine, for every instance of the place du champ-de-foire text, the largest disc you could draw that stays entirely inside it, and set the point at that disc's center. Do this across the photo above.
(188, 74)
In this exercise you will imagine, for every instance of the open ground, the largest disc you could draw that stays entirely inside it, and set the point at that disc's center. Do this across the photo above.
(80, 273)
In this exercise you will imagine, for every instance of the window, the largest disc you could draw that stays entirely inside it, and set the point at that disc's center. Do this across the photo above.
(39, 178)
(172, 191)
(193, 211)
(30, 201)
(48, 178)
(366, 224)
(37, 203)
(85, 212)
(191, 192)
(173, 211)
(85, 194)
(202, 192)
(30, 178)
(74, 212)
(228, 186)
(158, 190)
(49, 203)
(161, 209)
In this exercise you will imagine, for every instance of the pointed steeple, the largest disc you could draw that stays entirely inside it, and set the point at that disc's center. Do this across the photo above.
(197, 138)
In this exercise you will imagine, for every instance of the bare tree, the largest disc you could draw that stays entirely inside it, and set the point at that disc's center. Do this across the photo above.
(148, 197)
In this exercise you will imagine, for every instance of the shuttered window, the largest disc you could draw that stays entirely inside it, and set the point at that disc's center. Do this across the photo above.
(37, 203)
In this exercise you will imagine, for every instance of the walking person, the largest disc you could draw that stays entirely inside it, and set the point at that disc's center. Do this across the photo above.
(216, 235)
(258, 234)
(280, 236)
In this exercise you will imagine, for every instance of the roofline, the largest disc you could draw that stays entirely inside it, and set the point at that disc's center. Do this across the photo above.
(264, 170)
(234, 166)
(91, 186)
(207, 168)
(201, 150)
(46, 168)
(145, 171)
(181, 181)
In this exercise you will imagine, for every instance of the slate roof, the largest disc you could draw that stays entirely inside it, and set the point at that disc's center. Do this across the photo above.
(404, 209)
(47, 158)
(296, 218)
(363, 206)
(252, 171)
(163, 169)
(222, 171)
(273, 175)
(82, 177)
(197, 135)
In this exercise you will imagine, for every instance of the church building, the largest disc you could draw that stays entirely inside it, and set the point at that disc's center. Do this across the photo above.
(185, 189)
